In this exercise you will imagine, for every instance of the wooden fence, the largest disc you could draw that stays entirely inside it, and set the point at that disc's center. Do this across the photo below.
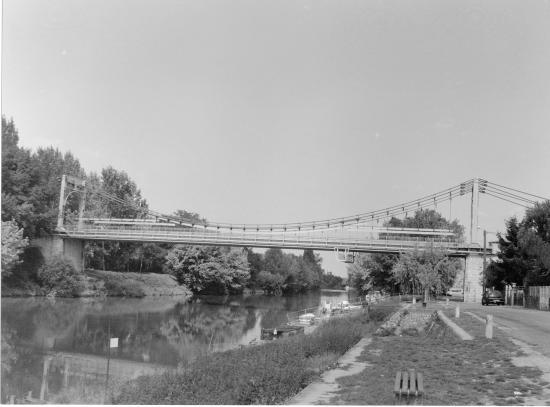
(538, 297)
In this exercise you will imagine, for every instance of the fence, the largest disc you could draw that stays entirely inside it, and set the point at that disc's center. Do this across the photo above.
(514, 295)
(538, 297)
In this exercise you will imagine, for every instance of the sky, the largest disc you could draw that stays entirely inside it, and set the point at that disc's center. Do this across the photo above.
(280, 111)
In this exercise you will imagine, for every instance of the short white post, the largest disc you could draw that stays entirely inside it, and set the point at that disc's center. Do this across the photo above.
(489, 327)
(447, 303)
(414, 299)
(457, 311)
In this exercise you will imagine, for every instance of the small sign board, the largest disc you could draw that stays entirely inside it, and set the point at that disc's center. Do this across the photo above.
(114, 343)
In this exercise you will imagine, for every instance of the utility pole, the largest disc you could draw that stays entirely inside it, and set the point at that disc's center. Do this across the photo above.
(484, 260)
(474, 210)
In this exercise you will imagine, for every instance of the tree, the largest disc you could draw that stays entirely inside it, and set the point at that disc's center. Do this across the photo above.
(119, 184)
(428, 270)
(207, 269)
(13, 244)
(191, 217)
(330, 281)
(272, 284)
(60, 278)
(430, 219)
(255, 262)
(372, 271)
(524, 256)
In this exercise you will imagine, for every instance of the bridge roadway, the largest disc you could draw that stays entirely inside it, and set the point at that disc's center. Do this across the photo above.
(328, 240)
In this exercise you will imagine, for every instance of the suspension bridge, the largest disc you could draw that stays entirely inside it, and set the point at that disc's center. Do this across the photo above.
(80, 207)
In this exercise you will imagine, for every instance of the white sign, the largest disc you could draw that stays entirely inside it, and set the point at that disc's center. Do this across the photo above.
(114, 343)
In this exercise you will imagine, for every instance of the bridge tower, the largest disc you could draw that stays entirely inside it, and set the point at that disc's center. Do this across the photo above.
(58, 245)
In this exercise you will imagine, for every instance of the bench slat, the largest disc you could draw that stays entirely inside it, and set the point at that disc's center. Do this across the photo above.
(420, 379)
(412, 387)
(397, 387)
(405, 387)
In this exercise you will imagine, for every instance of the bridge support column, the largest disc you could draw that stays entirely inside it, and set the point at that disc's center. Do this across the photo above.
(71, 250)
(473, 277)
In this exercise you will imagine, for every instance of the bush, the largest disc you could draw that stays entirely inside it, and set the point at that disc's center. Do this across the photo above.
(263, 374)
(59, 278)
(124, 288)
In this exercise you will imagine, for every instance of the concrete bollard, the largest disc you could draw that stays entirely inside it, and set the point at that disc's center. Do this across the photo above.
(414, 299)
(447, 303)
(457, 311)
(489, 327)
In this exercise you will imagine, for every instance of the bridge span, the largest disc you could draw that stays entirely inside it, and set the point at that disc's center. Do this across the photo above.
(346, 236)
(361, 240)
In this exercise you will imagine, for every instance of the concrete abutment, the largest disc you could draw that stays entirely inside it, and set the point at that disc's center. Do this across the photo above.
(473, 277)
(71, 250)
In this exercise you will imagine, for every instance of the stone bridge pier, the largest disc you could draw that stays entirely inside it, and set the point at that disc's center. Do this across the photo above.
(71, 250)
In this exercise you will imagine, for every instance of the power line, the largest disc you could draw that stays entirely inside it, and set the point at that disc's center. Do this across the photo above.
(521, 192)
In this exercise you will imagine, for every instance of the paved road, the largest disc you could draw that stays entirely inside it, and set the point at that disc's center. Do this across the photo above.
(527, 325)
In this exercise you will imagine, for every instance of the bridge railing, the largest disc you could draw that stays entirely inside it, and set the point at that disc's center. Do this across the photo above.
(342, 239)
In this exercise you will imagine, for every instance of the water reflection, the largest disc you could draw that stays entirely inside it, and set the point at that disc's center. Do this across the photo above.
(59, 349)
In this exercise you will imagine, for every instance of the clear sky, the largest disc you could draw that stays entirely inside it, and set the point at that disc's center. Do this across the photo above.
(278, 111)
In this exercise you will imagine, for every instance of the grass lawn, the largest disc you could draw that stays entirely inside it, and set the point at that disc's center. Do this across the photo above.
(455, 372)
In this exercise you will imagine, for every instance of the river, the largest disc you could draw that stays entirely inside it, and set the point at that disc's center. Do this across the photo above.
(59, 349)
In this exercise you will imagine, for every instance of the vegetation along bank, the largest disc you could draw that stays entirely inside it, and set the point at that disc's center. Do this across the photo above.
(269, 373)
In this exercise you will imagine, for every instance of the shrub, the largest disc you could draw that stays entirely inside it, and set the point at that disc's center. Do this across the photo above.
(59, 278)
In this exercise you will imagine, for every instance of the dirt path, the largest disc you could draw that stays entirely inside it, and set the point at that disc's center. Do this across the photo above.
(321, 391)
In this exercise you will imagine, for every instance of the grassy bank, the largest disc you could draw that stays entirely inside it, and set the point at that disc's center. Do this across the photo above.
(455, 372)
(98, 283)
(265, 374)
(129, 284)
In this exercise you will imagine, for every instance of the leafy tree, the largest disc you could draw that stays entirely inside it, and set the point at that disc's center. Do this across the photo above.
(372, 271)
(330, 281)
(60, 278)
(428, 270)
(207, 269)
(30, 183)
(119, 184)
(255, 262)
(276, 262)
(429, 219)
(192, 217)
(272, 284)
(524, 256)
(13, 244)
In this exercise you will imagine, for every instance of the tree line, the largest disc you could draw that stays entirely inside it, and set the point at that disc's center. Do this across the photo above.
(420, 272)
(30, 198)
(524, 256)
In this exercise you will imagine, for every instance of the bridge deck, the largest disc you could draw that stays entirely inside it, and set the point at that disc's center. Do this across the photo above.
(324, 241)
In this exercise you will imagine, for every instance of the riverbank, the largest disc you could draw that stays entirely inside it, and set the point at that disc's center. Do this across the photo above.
(99, 283)
(269, 373)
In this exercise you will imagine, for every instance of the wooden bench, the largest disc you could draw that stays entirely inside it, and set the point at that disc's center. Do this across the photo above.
(409, 384)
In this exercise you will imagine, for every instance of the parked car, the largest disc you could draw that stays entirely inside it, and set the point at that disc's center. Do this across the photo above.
(492, 297)
(455, 292)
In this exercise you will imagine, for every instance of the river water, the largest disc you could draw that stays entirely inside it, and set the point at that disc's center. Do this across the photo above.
(59, 349)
